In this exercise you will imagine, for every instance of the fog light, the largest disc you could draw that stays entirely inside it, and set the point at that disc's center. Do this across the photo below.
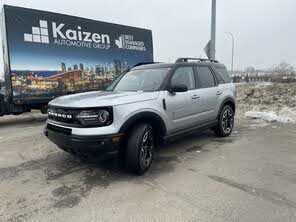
(116, 139)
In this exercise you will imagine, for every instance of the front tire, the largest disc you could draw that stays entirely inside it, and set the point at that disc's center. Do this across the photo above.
(139, 149)
(225, 122)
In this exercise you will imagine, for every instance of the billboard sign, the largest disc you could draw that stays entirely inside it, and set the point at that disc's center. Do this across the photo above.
(51, 54)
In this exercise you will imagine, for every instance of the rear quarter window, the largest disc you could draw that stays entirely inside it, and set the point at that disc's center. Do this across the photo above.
(222, 75)
(205, 77)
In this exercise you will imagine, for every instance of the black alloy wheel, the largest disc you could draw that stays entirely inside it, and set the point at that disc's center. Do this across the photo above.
(139, 149)
(225, 122)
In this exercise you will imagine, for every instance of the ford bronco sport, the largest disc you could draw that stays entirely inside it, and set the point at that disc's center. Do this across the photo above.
(142, 108)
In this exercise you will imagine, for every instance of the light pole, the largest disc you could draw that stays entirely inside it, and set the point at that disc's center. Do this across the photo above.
(213, 32)
(232, 57)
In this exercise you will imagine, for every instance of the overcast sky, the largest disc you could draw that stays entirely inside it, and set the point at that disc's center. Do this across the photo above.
(265, 31)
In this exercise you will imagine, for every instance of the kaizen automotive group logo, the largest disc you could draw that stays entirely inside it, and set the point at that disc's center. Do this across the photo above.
(61, 35)
(39, 34)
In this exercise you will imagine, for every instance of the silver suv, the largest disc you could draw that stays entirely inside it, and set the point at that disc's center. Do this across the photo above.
(143, 108)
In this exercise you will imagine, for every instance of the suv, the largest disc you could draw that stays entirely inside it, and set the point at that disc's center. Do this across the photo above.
(143, 108)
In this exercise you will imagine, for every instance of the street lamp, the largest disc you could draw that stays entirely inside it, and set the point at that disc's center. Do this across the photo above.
(232, 36)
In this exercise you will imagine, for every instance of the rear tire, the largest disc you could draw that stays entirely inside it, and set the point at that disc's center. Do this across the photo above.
(225, 122)
(139, 149)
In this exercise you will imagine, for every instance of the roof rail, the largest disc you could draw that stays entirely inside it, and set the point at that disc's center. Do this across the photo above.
(196, 59)
(144, 63)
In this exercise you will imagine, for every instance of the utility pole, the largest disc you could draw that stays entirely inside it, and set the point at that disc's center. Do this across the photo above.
(232, 36)
(213, 32)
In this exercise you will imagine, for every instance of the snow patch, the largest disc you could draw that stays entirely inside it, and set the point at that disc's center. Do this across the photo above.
(285, 115)
(267, 116)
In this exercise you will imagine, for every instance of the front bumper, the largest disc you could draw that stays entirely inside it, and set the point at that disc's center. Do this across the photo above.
(105, 145)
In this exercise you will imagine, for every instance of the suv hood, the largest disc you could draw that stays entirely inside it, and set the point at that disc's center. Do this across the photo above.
(102, 98)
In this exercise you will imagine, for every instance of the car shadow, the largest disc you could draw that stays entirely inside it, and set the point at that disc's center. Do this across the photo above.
(165, 160)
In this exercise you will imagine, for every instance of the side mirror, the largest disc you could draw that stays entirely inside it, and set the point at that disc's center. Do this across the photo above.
(178, 88)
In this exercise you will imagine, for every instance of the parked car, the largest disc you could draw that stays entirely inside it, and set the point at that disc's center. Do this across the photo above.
(143, 108)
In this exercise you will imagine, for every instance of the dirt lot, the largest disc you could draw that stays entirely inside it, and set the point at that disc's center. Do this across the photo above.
(278, 98)
(249, 176)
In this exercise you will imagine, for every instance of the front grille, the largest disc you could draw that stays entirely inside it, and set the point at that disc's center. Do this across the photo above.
(64, 116)
(59, 129)
(68, 116)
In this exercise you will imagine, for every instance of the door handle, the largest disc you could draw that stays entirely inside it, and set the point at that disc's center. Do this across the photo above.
(219, 93)
(195, 97)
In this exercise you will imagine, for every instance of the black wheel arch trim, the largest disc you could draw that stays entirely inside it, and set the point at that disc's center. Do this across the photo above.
(142, 116)
(229, 99)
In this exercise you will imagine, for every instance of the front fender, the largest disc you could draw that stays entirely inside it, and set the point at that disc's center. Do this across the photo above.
(143, 114)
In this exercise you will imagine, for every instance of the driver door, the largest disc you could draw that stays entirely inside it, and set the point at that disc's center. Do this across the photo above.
(179, 106)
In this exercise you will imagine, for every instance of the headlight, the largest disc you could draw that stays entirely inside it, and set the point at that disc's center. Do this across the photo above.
(94, 117)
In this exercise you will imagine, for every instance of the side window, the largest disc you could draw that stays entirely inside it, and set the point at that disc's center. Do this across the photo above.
(205, 77)
(219, 77)
(184, 76)
(223, 74)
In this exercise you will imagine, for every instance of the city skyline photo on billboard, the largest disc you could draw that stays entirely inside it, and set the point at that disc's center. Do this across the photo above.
(52, 54)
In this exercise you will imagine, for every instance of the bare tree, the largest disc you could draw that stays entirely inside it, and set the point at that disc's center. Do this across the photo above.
(250, 69)
(284, 69)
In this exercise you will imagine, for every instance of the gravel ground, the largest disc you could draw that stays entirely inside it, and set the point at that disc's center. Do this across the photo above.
(249, 176)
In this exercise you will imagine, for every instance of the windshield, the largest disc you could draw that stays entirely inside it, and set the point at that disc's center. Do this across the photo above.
(140, 80)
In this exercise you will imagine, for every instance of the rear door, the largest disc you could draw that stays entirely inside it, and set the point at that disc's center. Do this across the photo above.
(208, 93)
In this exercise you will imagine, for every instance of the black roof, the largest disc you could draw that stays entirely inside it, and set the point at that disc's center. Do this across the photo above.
(155, 65)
